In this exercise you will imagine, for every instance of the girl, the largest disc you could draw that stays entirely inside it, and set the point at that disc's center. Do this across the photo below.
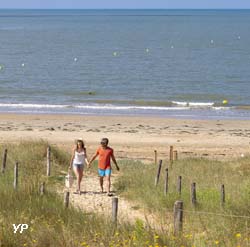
(78, 161)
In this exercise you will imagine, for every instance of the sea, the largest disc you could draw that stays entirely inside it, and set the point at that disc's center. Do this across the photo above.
(170, 63)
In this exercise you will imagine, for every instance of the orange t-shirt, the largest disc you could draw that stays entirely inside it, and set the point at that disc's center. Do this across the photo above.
(104, 157)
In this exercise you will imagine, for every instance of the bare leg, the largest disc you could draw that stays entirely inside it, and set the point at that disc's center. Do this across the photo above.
(108, 184)
(101, 183)
(78, 173)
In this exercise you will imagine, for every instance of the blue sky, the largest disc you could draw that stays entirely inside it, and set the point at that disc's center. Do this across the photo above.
(97, 4)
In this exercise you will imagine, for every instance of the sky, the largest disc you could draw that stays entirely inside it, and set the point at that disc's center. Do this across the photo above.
(125, 4)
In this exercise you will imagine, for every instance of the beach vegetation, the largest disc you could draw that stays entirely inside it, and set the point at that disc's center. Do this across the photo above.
(209, 223)
(49, 222)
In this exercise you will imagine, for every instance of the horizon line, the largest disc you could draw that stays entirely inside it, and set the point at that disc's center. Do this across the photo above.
(125, 8)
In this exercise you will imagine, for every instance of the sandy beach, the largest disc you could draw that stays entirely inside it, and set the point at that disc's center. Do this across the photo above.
(133, 137)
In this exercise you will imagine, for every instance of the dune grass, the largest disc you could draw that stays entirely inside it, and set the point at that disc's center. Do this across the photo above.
(204, 224)
(50, 223)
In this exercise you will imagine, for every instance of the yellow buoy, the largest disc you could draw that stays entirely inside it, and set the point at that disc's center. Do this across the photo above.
(224, 102)
(147, 50)
(115, 53)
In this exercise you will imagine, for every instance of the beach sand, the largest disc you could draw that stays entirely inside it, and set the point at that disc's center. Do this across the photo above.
(133, 137)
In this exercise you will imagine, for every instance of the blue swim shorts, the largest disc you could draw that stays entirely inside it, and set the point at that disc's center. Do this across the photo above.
(103, 173)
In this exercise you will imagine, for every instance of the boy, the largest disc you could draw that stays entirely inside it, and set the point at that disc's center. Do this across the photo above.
(104, 166)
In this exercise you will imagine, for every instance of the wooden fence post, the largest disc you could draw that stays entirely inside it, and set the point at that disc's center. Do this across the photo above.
(175, 154)
(66, 199)
(42, 188)
(158, 173)
(16, 176)
(179, 184)
(193, 194)
(114, 209)
(222, 195)
(166, 182)
(4, 160)
(155, 157)
(171, 155)
(178, 217)
(48, 161)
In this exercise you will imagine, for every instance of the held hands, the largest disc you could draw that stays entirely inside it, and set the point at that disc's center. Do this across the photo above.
(88, 164)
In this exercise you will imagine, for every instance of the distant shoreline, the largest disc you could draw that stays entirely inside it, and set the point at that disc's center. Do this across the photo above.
(175, 110)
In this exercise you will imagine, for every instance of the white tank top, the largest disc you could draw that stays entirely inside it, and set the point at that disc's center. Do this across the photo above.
(79, 158)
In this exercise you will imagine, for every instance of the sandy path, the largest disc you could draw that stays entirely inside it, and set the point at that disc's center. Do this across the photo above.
(91, 200)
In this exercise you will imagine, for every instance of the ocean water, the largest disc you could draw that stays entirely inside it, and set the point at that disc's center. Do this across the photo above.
(173, 63)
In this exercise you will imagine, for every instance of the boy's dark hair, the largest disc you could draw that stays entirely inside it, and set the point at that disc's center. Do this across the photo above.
(105, 140)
